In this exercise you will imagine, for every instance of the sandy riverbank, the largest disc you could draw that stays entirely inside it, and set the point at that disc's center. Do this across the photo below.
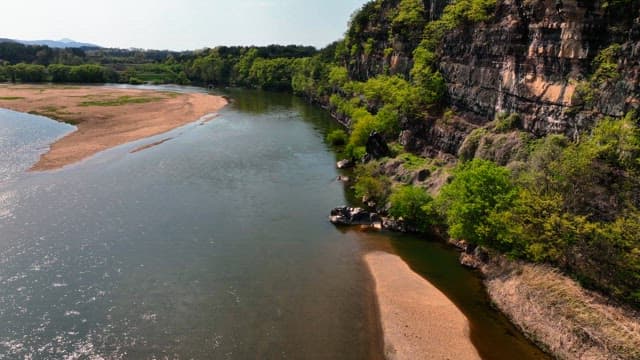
(418, 321)
(105, 117)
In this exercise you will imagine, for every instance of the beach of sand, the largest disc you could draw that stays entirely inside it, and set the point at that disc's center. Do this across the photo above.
(105, 117)
(418, 321)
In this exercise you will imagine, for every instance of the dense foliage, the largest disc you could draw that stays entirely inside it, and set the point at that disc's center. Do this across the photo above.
(414, 205)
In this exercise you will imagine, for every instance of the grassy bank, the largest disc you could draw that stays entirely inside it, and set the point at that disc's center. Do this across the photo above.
(560, 315)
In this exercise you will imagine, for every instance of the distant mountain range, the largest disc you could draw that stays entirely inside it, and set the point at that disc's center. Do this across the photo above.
(63, 43)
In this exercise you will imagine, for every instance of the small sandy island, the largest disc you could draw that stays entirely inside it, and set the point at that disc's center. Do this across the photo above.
(105, 117)
(418, 321)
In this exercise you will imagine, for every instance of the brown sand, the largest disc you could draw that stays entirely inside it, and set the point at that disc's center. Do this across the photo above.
(102, 127)
(418, 321)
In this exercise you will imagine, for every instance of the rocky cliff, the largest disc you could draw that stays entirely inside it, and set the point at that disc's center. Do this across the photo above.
(377, 45)
(529, 59)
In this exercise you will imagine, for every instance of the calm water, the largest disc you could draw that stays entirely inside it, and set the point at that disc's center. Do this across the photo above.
(23, 138)
(214, 244)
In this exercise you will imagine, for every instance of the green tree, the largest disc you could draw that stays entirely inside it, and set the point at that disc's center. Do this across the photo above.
(479, 187)
(59, 73)
(414, 205)
(29, 73)
(272, 74)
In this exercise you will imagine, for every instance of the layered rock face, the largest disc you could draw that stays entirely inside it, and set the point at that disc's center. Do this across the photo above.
(530, 59)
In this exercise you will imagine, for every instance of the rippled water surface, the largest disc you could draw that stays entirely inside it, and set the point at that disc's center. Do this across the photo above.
(214, 244)
(23, 138)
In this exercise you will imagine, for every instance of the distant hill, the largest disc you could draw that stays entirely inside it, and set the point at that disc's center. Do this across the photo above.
(63, 43)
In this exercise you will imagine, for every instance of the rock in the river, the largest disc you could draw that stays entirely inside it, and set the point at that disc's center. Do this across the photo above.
(474, 256)
(342, 178)
(470, 261)
(344, 164)
(354, 216)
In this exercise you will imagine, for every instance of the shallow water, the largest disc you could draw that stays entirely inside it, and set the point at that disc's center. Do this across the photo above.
(214, 244)
(23, 138)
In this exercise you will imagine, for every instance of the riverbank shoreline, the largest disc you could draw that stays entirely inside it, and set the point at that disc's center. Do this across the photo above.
(556, 312)
(418, 321)
(105, 117)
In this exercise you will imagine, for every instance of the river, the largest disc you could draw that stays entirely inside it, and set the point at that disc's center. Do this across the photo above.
(214, 244)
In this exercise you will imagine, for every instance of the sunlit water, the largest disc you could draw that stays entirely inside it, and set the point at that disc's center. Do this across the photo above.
(23, 138)
(214, 244)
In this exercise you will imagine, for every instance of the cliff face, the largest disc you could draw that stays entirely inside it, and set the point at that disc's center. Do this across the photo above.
(530, 59)
(377, 46)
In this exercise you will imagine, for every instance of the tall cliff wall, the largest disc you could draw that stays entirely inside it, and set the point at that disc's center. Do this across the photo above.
(530, 59)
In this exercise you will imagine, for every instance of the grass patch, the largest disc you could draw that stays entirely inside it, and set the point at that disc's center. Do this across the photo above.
(561, 310)
(412, 162)
(11, 98)
(171, 94)
(56, 113)
(120, 101)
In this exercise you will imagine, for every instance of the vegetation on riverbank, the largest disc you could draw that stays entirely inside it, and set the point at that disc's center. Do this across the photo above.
(568, 202)
(560, 315)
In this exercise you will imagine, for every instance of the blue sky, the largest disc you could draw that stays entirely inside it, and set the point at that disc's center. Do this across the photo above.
(179, 24)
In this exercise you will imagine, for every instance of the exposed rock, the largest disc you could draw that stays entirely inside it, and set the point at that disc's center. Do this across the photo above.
(529, 59)
(470, 261)
(376, 146)
(394, 225)
(343, 178)
(472, 256)
(481, 254)
(354, 216)
(344, 164)
(423, 175)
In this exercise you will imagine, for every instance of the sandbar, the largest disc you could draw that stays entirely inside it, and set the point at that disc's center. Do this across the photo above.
(105, 117)
(418, 321)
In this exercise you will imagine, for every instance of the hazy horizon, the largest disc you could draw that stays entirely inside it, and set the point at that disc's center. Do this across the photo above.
(185, 25)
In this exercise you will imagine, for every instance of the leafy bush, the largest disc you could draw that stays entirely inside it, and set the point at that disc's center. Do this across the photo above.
(470, 145)
(374, 188)
(606, 64)
(617, 141)
(337, 137)
(414, 205)
(479, 188)
(505, 122)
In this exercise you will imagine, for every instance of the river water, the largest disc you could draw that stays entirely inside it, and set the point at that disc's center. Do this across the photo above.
(214, 244)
